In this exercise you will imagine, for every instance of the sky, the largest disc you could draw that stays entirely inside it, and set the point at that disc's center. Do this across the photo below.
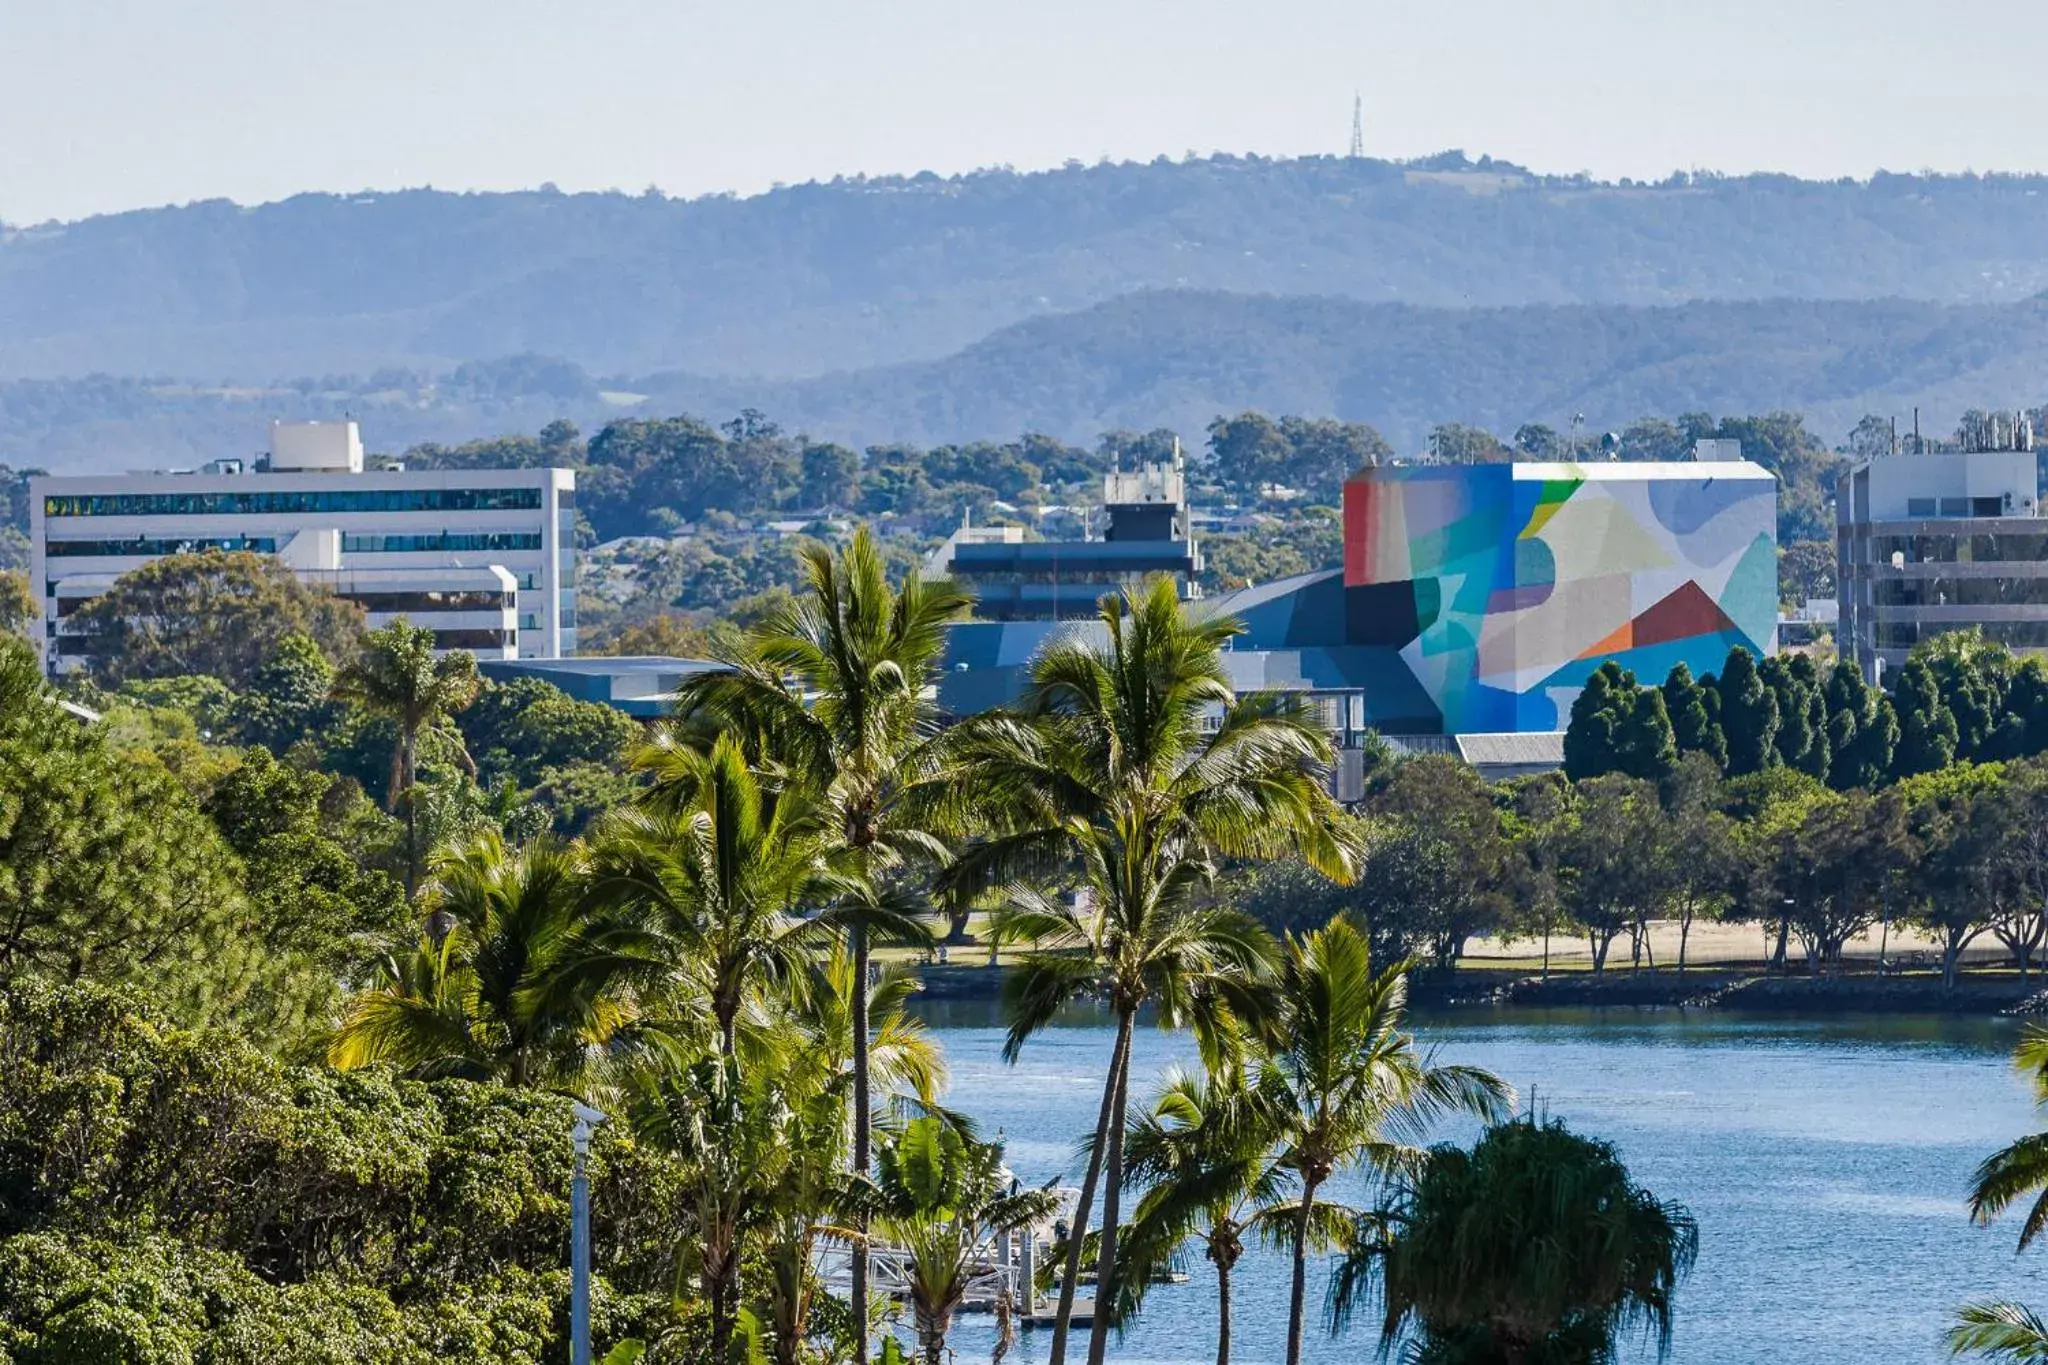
(114, 104)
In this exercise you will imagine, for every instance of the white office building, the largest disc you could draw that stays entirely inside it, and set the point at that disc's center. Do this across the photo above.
(484, 558)
(1941, 541)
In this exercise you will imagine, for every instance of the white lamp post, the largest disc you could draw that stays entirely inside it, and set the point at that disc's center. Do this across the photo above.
(579, 1235)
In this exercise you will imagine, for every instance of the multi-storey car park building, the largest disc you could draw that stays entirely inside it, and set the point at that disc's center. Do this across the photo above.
(486, 559)
(1932, 542)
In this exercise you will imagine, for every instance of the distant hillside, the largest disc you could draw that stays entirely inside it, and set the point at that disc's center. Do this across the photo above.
(1177, 359)
(1171, 359)
(824, 277)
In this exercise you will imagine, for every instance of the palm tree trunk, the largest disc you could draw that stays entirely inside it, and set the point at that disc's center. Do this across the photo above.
(1222, 1311)
(1063, 1317)
(412, 843)
(1298, 1296)
(1112, 1198)
(862, 1140)
(721, 1312)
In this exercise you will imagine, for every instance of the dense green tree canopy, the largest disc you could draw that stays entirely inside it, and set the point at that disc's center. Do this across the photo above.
(221, 613)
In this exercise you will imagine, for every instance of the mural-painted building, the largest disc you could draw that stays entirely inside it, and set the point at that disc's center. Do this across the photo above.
(1476, 599)
(1504, 586)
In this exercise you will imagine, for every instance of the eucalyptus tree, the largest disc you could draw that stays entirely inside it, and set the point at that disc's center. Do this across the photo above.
(1132, 761)
(1349, 1088)
(833, 688)
(397, 675)
(1534, 1246)
(1205, 1151)
(527, 986)
(939, 1196)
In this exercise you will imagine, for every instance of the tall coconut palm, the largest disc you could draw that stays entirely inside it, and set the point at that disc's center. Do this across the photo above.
(527, 986)
(940, 1196)
(715, 872)
(835, 689)
(1205, 1149)
(397, 675)
(1133, 761)
(1349, 1085)
(1533, 1246)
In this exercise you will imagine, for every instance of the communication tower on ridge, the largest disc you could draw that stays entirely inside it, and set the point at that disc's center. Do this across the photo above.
(1357, 126)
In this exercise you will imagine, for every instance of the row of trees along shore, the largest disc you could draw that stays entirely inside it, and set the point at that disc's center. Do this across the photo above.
(285, 1069)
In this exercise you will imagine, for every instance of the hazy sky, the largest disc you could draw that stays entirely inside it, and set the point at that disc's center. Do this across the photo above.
(112, 104)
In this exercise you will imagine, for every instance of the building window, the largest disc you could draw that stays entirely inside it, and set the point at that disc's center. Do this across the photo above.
(1955, 507)
(285, 502)
(462, 600)
(475, 639)
(1920, 507)
(440, 542)
(59, 549)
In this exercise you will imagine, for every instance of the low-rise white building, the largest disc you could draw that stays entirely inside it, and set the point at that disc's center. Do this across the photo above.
(484, 558)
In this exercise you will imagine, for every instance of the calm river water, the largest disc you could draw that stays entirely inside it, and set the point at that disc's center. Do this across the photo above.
(1826, 1163)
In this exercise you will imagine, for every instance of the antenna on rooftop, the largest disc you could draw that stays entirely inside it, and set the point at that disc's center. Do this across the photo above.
(1357, 126)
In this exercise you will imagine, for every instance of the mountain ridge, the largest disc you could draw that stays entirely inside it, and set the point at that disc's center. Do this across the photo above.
(806, 280)
(1151, 359)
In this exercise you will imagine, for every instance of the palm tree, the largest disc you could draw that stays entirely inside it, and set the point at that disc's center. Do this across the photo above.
(736, 1137)
(834, 689)
(813, 1048)
(1533, 1246)
(715, 870)
(527, 986)
(1348, 1084)
(2021, 1167)
(2000, 1329)
(1206, 1150)
(398, 676)
(940, 1196)
(1114, 765)
(2004, 1330)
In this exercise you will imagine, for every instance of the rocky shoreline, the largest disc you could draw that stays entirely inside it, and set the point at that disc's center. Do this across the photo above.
(1469, 987)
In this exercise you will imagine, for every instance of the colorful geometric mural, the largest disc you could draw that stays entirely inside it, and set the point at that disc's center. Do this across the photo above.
(1504, 586)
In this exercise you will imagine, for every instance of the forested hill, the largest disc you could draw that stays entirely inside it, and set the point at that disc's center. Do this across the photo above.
(1173, 359)
(1176, 359)
(822, 277)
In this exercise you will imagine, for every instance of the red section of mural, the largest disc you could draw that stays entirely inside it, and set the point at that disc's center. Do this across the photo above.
(1684, 614)
(1687, 612)
(1358, 522)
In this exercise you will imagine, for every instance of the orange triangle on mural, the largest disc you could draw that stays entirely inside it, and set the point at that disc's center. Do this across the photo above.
(1616, 642)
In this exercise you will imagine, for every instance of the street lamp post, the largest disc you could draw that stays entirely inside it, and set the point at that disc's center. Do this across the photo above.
(579, 1235)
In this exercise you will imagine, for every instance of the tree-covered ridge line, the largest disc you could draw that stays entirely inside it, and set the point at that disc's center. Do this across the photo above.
(1172, 357)
(331, 282)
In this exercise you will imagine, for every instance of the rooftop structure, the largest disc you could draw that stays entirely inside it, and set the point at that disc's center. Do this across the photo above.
(1940, 541)
(641, 685)
(1146, 533)
(419, 543)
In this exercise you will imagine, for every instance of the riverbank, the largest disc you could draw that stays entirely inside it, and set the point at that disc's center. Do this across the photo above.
(1698, 988)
